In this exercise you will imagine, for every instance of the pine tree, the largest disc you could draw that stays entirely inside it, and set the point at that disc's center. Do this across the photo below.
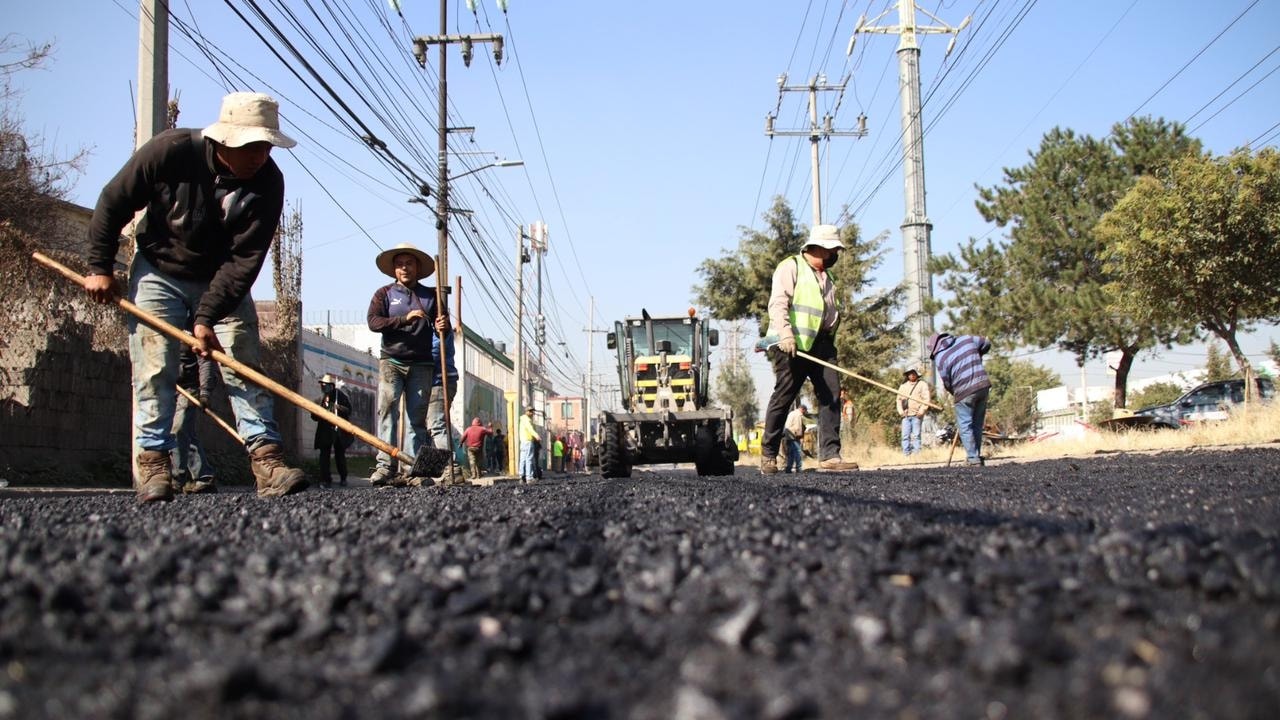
(1046, 285)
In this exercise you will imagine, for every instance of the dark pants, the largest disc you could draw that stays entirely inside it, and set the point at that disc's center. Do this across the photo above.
(340, 459)
(789, 374)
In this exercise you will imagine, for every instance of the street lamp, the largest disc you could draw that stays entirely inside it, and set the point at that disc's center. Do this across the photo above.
(496, 163)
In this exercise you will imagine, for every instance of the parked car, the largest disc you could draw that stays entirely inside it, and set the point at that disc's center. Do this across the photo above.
(1207, 402)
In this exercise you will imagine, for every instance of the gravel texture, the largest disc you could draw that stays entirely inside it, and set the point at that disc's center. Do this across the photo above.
(1126, 586)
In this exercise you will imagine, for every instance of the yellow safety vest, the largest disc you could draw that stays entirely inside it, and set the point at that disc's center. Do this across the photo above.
(807, 305)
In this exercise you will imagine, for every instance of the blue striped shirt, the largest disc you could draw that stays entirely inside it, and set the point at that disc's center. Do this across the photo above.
(959, 364)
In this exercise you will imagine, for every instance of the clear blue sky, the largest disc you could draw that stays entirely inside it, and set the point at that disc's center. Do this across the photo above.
(641, 126)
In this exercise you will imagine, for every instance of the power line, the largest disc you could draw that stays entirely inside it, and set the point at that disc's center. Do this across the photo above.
(1193, 59)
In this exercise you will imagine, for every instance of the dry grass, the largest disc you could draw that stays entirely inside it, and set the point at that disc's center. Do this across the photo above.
(1249, 426)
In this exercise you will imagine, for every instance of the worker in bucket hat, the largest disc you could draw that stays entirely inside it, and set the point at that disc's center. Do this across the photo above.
(212, 200)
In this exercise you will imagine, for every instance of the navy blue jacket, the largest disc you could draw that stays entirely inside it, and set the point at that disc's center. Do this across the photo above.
(404, 341)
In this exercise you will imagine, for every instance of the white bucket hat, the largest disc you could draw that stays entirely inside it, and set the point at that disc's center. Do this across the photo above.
(827, 236)
(248, 117)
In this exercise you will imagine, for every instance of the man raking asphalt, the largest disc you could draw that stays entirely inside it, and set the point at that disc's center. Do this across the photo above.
(429, 462)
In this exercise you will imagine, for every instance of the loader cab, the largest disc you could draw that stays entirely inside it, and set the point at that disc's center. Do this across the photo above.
(663, 361)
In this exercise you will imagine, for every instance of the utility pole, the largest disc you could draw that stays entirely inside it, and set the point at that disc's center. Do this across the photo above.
(442, 176)
(915, 226)
(814, 132)
(153, 70)
(586, 386)
(538, 243)
(513, 438)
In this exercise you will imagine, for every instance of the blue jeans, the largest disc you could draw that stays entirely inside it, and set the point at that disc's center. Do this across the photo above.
(436, 409)
(971, 413)
(189, 462)
(910, 434)
(154, 358)
(413, 383)
(528, 463)
(795, 456)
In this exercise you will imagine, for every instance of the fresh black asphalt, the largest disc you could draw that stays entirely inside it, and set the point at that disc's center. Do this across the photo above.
(1122, 586)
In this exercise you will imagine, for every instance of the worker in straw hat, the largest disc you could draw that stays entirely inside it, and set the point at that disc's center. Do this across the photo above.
(212, 201)
(407, 316)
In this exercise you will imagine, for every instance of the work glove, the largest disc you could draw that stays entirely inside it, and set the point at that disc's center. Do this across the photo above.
(788, 346)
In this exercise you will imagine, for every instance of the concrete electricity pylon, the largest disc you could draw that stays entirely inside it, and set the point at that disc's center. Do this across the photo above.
(814, 132)
(916, 226)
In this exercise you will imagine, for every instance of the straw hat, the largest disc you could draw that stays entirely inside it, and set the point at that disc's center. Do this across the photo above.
(328, 379)
(386, 260)
(248, 117)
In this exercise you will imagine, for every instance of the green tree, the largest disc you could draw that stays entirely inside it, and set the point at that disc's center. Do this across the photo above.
(736, 285)
(1199, 243)
(1217, 366)
(1011, 406)
(1160, 393)
(1046, 285)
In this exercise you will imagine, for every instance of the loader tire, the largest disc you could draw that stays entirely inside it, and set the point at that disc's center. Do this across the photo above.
(613, 454)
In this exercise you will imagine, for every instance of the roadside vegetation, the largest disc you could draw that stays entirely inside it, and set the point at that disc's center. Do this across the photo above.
(1253, 425)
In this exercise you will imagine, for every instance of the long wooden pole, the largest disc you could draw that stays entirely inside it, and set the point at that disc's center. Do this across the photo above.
(444, 371)
(852, 374)
(240, 368)
(212, 415)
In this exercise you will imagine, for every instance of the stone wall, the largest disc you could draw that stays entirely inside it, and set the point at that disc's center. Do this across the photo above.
(65, 398)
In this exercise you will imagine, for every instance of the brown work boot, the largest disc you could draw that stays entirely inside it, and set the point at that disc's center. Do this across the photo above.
(836, 464)
(274, 477)
(769, 465)
(155, 478)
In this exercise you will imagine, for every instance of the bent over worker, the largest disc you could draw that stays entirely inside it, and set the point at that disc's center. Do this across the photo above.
(212, 201)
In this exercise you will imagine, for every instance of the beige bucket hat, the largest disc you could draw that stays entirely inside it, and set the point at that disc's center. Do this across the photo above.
(827, 236)
(248, 117)
(386, 260)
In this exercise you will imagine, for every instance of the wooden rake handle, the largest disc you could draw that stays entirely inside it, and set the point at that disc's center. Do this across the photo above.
(226, 360)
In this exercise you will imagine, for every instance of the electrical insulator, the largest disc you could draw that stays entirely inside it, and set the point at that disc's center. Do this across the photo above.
(466, 52)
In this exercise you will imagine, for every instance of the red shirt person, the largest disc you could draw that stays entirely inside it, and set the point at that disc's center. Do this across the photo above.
(473, 440)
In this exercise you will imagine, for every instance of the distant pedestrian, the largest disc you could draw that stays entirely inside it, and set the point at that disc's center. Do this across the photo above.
(848, 418)
(491, 448)
(793, 433)
(499, 442)
(557, 454)
(473, 439)
(912, 409)
(528, 436)
(958, 360)
(329, 437)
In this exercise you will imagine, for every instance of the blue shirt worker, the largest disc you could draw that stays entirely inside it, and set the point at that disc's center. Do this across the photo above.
(407, 316)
